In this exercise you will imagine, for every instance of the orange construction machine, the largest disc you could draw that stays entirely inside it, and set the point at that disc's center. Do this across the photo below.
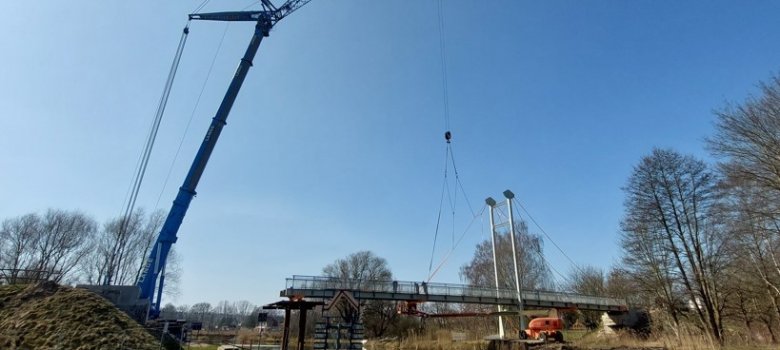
(544, 328)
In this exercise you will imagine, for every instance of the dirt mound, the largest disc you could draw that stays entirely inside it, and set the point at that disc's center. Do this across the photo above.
(49, 316)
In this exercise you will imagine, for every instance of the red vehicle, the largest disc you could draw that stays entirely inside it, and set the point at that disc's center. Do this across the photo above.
(544, 329)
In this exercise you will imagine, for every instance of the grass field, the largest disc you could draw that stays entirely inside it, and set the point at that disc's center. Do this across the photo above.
(574, 340)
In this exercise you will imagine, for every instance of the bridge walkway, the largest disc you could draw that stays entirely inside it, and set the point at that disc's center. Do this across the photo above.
(317, 287)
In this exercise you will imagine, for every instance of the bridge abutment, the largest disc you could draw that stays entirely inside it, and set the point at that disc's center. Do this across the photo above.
(634, 320)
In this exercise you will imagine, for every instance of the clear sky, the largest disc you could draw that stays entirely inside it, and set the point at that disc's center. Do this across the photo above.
(335, 142)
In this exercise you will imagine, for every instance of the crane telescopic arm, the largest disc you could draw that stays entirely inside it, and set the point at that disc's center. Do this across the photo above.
(155, 263)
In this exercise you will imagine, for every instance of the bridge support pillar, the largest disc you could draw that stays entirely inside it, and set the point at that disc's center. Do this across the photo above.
(286, 331)
(289, 305)
(302, 328)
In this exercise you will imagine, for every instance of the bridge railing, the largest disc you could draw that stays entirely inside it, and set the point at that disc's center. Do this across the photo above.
(408, 287)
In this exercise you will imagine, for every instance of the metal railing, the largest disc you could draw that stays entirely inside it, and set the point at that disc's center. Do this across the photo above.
(14, 276)
(446, 289)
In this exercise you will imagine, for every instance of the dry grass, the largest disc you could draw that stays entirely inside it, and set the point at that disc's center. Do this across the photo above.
(240, 336)
(246, 336)
(430, 340)
(595, 340)
(683, 339)
(48, 316)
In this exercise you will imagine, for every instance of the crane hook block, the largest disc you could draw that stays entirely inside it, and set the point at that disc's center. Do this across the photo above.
(448, 136)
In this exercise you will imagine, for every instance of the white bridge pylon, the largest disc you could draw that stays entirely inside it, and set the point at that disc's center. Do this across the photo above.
(495, 222)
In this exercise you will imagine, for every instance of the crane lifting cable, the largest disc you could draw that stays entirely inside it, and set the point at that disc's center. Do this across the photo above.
(143, 161)
(192, 113)
(201, 6)
(452, 201)
(443, 56)
(441, 205)
(446, 192)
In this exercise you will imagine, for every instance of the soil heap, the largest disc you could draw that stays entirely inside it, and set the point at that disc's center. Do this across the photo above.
(48, 316)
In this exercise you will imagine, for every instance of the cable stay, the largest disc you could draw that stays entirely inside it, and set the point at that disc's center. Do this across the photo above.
(563, 277)
(503, 221)
(457, 243)
(143, 161)
(574, 264)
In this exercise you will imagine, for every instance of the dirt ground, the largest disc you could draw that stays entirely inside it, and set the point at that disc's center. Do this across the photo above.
(485, 345)
(49, 316)
(574, 347)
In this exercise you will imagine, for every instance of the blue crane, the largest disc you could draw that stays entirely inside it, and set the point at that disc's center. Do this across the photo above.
(154, 267)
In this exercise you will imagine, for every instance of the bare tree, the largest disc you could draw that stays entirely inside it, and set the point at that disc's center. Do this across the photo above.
(200, 312)
(588, 280)
(669, 198)
(168, 312)
(117, 246)
(747, 141)
(226, 314)
(243, 309)
(146, 240)
(121, 247)
(182, 311)
(534, 272)
(47, 247)
(651, 266)
(172, 274)
(755, 243)
(64, 240)
(748, 138)
(379, 316)
(358, 268)
(18, 235)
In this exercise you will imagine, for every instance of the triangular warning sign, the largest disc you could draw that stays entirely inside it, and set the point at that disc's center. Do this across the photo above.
(343, 294)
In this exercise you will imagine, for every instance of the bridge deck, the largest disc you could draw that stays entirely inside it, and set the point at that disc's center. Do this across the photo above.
(326, 287)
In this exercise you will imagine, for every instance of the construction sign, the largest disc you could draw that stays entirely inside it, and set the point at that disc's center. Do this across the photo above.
(343, 295)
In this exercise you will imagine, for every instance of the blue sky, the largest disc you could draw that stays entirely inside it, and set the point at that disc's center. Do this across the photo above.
(335, 142)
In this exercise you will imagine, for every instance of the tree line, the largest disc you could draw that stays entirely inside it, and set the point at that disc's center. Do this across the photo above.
(69, 246)
(224, 315)
(701, 241)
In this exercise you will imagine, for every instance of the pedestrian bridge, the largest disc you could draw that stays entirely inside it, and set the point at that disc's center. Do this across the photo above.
(317, 287)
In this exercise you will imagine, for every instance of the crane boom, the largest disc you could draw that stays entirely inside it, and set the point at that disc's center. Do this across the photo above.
(155, 262)
(273, 13)
(286, 9)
